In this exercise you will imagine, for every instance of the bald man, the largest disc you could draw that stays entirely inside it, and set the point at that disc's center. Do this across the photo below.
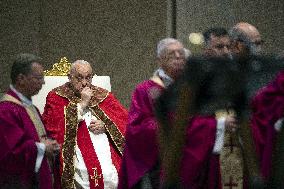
(267, 104)
(89, 124)
(246, 47)
(267, 107)
(246, 40)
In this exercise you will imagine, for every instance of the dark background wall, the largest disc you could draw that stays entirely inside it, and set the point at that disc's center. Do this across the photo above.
(266, 15)
(119, 36)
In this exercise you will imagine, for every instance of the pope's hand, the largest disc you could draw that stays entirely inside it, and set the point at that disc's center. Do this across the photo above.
(97, 127)
(86, 95)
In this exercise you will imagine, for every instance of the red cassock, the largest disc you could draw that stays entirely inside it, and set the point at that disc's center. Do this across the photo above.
(267, 108)
(61, 120)
(199, 168)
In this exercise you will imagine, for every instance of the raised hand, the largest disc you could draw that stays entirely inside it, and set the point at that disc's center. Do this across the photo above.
(86, 95)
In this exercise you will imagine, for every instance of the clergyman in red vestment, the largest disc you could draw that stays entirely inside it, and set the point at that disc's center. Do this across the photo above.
(24, 146)
(89, 123)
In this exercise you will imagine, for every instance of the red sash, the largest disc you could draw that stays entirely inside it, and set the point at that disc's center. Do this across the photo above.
(90, 157)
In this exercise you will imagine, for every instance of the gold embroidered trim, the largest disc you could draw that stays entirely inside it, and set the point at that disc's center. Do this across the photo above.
(224, 113)
(68, 148)
(251, 163)
(231, 156)
(32, 114)
(116, 136)
(66, 91)
(231, 162)
(96, 176)
(100, 95)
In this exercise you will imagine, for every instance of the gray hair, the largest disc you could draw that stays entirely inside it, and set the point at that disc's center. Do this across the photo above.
(83, 62)
(164, 43)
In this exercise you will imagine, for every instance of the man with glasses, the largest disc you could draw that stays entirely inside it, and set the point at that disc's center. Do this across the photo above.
(89, 123)
(246, 41)
(25, 146)
(267, 107)
(246, 48)
(266, 99)
(140, 164)
(143, 156)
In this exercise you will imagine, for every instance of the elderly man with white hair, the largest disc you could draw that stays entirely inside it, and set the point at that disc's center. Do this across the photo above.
(139, 167)
(143, 165)
(89, 124)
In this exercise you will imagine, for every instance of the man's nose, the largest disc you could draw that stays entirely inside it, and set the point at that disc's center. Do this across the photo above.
(177, 54)
(226, 50)
(85, 82)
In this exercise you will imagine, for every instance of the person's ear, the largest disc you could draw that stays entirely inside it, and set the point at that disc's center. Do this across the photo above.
(20, 78)
(158, 61)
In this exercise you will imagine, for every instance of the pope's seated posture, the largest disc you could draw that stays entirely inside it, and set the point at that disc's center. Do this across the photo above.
(89, 123)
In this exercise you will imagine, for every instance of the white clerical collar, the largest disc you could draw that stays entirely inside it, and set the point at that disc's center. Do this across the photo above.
(24, 99)
(164, 77)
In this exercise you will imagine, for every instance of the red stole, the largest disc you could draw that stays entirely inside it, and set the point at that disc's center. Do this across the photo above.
(60, 117)
(90, 157)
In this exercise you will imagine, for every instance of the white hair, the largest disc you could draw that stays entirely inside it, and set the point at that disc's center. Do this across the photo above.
(164, 43)
(78, 62)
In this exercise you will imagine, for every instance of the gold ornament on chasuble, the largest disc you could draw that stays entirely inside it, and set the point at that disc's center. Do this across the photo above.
(231, 157)
(99, 95)
(96, 176)
(32, 112)
(68, 148)
(114, 133)
(62, 69)
(71, 121)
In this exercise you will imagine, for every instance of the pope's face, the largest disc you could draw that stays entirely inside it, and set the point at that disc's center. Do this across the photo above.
(172, 59)
(80, 77)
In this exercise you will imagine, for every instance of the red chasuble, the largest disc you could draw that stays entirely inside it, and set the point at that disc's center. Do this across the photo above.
(199, 168)
(18, 151)
(267, 108)
(60, 118)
